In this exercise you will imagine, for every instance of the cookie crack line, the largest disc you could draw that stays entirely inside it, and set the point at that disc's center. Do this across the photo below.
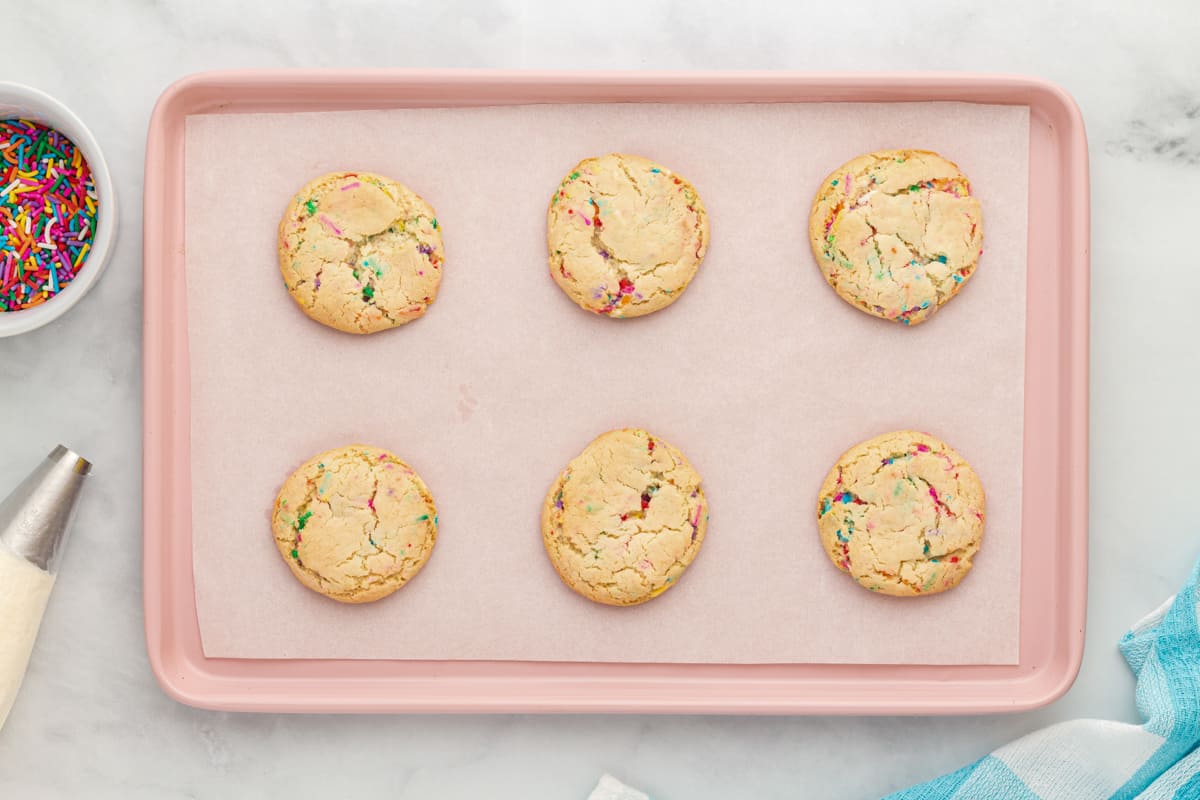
(633, 182)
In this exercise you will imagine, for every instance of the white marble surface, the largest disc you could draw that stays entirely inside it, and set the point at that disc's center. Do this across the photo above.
(91, 721)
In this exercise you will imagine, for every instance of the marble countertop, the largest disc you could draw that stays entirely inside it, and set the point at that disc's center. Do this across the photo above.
(91, 721)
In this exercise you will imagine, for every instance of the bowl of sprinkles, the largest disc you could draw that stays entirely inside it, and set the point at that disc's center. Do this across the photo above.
(57, 211)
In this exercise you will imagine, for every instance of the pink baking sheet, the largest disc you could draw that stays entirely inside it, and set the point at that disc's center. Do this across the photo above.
(1053, 525)
(759, 373)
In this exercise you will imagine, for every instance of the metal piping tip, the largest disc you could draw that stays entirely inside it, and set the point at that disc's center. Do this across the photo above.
(35, 519)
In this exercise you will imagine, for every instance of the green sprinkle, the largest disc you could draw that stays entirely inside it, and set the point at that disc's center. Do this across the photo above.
(435, 519)
(355, 274)
(303, 520)
(368, 292)
(422, 518)
(573, 176)
(899, 488)
(283, 502)
(589, 509)
(435, 223)
(834, 182)
(311, 205)
(916, 187)
(296, 554)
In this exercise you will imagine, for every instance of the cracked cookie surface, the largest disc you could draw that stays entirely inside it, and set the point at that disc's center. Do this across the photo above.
(625, 518)
(897, 233)
(903, 513)
(359, 252)
(354, 523)
(625, 235)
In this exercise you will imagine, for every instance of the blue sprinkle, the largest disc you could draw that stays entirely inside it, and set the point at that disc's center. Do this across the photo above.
(841, 538)
(825, 506)
(942, 259)
(958, 278)
(925, 304)
(845, 498)
(656, 170)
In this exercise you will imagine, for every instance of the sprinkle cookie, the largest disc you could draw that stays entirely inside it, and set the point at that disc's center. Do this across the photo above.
(626, 235)
(902, 513)
(360, 252)
(624, 519)
(354, 524)
(897, 233)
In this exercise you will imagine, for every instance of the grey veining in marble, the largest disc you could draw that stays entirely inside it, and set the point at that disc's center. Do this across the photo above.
(91, 721)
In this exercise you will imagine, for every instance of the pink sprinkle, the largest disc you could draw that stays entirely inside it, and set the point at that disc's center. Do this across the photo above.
(849, 178)
(371, 503)
(351, 185)
(921, 448)
(329, 224)
(585, 219)
(420, 272)
(382, 456)
(696, 519)
(645, 564)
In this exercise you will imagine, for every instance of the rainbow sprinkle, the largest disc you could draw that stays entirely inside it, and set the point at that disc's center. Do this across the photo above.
(48, 211)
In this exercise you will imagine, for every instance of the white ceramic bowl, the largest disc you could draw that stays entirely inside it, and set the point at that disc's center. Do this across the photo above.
(28, 103)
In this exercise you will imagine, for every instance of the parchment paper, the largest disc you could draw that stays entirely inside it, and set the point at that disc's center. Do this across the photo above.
(759, 373)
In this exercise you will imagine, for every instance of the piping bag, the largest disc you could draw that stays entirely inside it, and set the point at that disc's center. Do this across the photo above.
(34, 524)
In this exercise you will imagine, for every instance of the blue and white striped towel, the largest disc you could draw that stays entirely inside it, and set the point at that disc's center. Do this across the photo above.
(1094, 759)
(1089, 758)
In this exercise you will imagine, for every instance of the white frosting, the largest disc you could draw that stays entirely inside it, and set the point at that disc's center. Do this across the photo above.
(24, 590)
